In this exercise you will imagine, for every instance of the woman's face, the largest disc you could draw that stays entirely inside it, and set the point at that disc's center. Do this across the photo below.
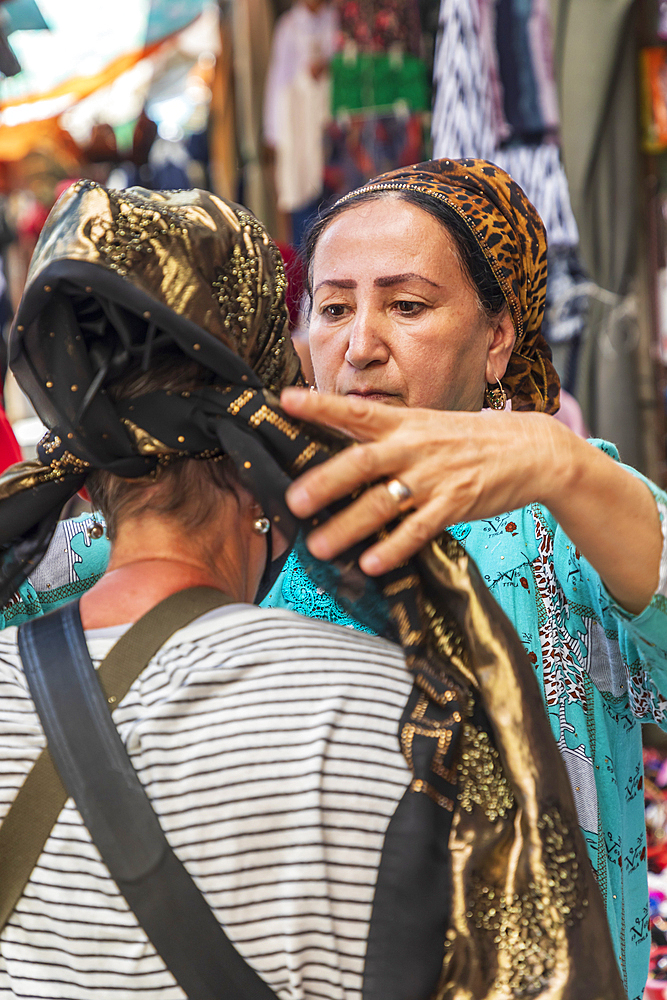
(394, 318)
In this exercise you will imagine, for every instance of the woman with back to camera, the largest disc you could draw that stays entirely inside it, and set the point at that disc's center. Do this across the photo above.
(428, 288)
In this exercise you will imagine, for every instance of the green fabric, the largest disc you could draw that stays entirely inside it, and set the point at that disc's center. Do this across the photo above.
(377, 81)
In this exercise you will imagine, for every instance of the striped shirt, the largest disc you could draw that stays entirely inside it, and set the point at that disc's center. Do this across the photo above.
(268, 745)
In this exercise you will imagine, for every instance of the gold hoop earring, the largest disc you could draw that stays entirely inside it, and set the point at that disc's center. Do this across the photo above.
(261, 525)
(496, 397)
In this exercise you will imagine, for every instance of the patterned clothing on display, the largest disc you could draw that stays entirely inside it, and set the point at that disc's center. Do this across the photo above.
(377, 25)
(525, 65)
(362, 145)
(468, 120)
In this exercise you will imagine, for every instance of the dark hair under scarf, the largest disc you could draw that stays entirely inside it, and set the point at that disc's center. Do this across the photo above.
(484, 888)
(512, 237)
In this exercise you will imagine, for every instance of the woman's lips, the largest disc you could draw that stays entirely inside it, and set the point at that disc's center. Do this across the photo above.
(390, 399)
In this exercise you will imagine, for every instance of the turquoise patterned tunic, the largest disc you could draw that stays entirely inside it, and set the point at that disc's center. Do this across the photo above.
(602, 671)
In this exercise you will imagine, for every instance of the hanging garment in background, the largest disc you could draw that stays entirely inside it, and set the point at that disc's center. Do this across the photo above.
(297, 101)
(365, 145)
(488, 105)
(378, 80)
(466, 121)
(377, 25)
(525, 66)
(380, 94)
(566, 311)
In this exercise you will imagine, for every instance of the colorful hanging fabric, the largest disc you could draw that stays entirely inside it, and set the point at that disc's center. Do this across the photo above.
(374, 80)
(377, 25)
(523, 44)
(466, 122)
(362, 146)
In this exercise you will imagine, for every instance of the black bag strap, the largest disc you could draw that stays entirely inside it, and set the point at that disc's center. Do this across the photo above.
(40, 800)
(97, 772)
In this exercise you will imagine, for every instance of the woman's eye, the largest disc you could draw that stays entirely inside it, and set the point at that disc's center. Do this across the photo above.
(408, 307)
(334, 311)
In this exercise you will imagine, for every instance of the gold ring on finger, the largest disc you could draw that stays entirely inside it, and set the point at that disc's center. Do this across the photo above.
(401, 493)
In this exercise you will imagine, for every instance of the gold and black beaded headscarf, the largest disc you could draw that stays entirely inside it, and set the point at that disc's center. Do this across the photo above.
(484, 889)
(114, 277)
(512, 237)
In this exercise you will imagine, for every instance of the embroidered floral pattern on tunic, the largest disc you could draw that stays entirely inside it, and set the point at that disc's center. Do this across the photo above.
(300, 594)
(561, 652)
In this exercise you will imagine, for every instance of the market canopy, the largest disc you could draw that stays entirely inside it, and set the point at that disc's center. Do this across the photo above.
(79, 54)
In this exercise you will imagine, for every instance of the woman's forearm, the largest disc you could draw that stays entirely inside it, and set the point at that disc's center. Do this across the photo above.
(609, 514)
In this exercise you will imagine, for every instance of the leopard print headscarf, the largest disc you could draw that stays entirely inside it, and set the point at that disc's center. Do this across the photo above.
(513, 239)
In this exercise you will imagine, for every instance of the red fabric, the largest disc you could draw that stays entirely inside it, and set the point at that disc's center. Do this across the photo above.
(30, 222)
(295, 281)
(10, 451)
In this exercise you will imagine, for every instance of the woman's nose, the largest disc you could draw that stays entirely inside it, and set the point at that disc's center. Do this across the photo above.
(366, 345)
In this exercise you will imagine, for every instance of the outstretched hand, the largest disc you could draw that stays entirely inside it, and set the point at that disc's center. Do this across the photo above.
(458, 466)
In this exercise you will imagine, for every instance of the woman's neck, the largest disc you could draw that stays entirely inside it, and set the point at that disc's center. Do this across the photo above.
(152, 558)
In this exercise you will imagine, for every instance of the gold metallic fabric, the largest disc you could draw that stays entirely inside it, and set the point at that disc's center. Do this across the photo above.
(203, 257)
(527, 917)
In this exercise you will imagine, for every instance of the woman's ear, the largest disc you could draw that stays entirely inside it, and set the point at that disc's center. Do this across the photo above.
(84, 494)
(500, 348)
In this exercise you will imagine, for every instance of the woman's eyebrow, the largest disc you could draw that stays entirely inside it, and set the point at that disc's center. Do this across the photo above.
(383, 282)
(396, 279)
(337, 283)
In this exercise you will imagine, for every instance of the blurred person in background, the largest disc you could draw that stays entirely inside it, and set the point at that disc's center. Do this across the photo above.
(297, 107)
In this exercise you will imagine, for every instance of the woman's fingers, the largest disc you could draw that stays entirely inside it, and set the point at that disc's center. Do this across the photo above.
(457, 466)
(363, 419)
(341, 475)
(375, 508)
(354, 467)
(369, 514)
(408, 538)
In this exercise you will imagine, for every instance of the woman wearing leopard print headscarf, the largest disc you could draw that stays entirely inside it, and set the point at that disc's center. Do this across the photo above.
(428, 289)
